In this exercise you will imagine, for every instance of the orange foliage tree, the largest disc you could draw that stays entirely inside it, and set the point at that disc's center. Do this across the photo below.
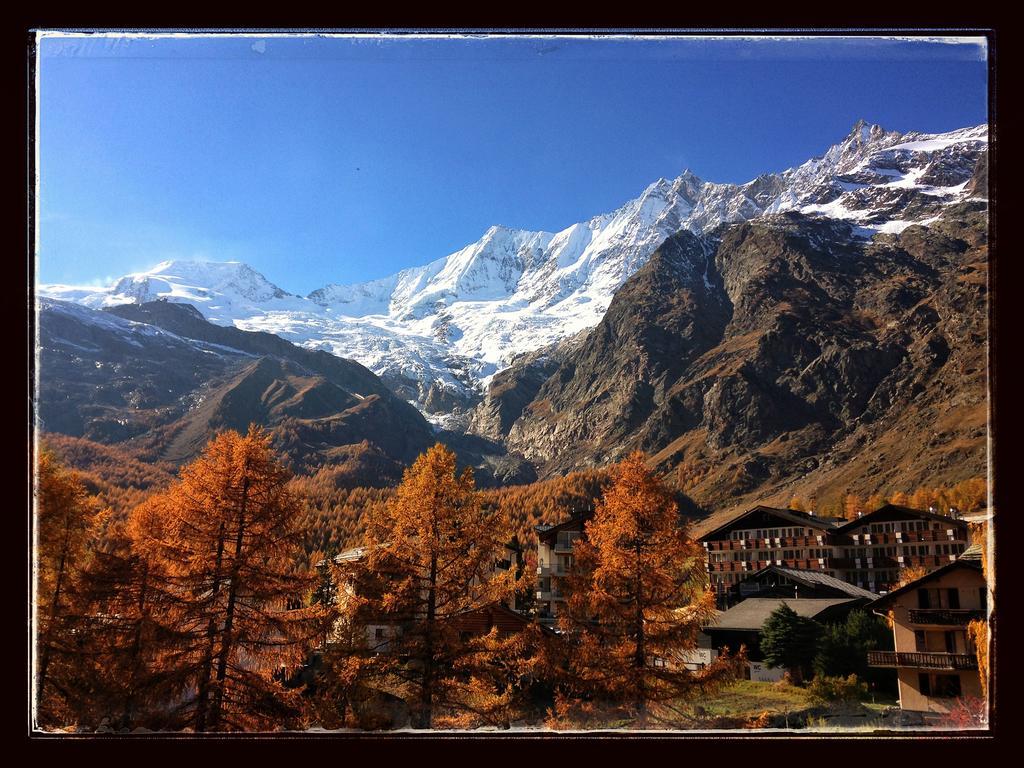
(636, 598)
(853, 507)
(64, 514)
(430, 561)
(121, 603)
(225, 536)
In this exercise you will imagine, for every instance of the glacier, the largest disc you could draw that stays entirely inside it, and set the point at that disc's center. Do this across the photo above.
(437, 333)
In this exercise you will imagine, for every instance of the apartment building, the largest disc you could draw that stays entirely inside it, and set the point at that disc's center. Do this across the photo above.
(555, 545)
(380, 631)
(935, 659)
(868, 552)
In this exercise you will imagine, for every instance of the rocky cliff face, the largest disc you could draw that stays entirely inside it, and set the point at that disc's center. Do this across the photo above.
(159, 370)
(438, 332)
(157, 378)
(780, 355)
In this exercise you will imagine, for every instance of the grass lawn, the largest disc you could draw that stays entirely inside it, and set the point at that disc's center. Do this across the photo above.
(747, 700)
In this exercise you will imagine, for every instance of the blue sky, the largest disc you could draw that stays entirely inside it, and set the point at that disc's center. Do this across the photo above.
(322, 160)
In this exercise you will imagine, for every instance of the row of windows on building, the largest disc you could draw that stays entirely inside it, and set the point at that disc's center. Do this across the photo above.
(872, 579)
(906, 550)
(754, 555)
(770, 533)
(942, 641)
(939, 686)
(735, 578)
(932, 598)
(903, 527)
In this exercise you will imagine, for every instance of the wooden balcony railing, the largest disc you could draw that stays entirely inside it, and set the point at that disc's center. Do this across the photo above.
(736, 566)
(566, 543)
(944, 616)
(783, 542)
(922, 660)
(912, 537)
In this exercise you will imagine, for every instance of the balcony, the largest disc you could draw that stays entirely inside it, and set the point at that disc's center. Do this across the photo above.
(922, 660)
(566, 543)
(786, 542)
(734, 566)
(944, 616)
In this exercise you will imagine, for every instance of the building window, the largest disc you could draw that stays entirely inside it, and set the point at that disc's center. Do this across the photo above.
(945, 686)
(939, 686)
(924, 684)
(953, 597)
(936, 598)
(951, 642)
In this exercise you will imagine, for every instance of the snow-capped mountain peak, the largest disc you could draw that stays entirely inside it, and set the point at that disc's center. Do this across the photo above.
(220, 290)
(452, 323)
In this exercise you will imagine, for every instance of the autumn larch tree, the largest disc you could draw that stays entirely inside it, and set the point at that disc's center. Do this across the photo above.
(64, 514)
(853, 507)
(126, 604)
(226, 534)
(430, 560)
(636, 599)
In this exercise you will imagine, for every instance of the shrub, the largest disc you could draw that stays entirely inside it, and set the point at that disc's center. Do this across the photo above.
(834, 689)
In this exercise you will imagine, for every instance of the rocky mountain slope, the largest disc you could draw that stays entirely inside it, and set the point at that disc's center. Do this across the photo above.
(159, 380)
(778, 356)
(436, 334)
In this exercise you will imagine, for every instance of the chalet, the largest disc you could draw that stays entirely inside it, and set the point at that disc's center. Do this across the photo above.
(380, 631)
(935, 660)
(867, 552)
(875, 546)
(742, 624)
(777, 581)
(554, 561)
(765, 536)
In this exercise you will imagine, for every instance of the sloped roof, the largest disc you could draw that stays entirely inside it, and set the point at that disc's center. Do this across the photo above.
(752, 613)
(812, 578)
(548, 533)
(889, 508)
(350, 555)
(973, 552)
(799, 518)
(969, 558)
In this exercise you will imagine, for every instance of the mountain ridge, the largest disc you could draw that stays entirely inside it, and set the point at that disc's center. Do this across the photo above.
(437, 333)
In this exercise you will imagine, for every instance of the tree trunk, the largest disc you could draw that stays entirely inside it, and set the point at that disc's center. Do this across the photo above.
(427, 693)
(44, 662)
(203, 698)
(225, 649)
(640, 657)
(129, 702)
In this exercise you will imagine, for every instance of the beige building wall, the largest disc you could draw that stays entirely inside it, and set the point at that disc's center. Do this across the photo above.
(912, 699)
(968, 582)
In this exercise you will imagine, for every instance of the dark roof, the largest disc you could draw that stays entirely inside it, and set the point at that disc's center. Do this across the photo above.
(815, 578)
(800, 518)
(973, 552)
(888, 509)
(969, 558)
(980, 516)
(753, 612)
(549, 532)
(511, 618)
(350, 555)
